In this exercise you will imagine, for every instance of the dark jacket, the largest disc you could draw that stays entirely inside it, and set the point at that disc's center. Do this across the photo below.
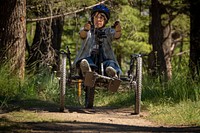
(88, 44)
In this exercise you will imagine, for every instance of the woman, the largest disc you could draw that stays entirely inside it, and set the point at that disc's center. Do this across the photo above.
(96, 44)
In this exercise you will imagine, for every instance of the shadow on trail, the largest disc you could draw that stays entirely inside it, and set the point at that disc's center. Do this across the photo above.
(46, 106)
(103, 127)
(31, 105)
(75, 126)
(101, 109)
(7, 125)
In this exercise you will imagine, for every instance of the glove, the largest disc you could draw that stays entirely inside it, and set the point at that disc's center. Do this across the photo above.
(87, 26)
(117, 26)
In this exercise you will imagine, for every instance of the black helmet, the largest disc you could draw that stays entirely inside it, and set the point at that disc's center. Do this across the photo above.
(101, 8)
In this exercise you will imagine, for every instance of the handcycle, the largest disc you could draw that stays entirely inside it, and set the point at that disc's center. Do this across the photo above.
(96, 78)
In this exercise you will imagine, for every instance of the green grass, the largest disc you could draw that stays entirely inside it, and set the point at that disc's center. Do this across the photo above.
(39, 86)
(174, 91)
(118, 99)
(176, 102)
(184, 113)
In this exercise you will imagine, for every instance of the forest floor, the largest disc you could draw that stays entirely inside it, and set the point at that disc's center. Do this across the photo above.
(26, 117)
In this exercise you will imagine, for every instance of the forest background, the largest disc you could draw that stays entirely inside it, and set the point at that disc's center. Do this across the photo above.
(32, 32)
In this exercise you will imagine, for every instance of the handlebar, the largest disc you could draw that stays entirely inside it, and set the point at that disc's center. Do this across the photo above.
(100, 34)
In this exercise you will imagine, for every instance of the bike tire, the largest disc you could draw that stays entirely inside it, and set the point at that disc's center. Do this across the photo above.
(89, 97)
(63, 73)
(138, 89)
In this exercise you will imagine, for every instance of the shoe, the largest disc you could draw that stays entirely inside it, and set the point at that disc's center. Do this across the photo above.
(111, 72)
(85, 67)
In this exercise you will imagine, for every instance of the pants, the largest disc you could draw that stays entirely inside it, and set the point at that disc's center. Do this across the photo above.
(95, 66)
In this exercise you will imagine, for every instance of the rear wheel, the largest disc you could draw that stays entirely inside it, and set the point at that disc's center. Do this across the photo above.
(138, 89)
(89, 97)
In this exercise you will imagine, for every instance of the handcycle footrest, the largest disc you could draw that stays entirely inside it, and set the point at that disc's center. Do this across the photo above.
(114, 85)
(90, 79)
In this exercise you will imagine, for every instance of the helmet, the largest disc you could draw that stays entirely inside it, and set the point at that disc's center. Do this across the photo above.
(101, 8)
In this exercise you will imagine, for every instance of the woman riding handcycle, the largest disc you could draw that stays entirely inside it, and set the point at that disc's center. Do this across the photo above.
(96, 54)
(96, 62)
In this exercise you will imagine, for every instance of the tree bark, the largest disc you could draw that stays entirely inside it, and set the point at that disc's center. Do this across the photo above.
(167, 42)
(13, 35)
(156, 57)
(194, 62)
(41, 52)
(46, 45)
(159, 61)
(57, 28)
(35, 54)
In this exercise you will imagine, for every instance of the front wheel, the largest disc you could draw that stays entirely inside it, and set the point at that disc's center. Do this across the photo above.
(138, 89)
(89, 97)
(63, 73)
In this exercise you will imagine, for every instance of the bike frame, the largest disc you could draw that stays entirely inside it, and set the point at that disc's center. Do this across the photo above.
(134, 78)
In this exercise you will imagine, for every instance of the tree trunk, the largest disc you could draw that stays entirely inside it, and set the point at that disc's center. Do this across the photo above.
(159, 61)
(41, 52)
(194, 62)
(156, 57)
(46, 45)
(57, 28)
(13, 35)
(167, 42)
(34, 54)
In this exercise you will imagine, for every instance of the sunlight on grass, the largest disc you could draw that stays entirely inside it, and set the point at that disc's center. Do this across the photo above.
(184, 113)
(43, 86)
(24, 116)
(118, 99)
(30, 116)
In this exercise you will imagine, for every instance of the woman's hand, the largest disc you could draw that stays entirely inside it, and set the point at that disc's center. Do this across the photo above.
(117, 28)
(87, 26)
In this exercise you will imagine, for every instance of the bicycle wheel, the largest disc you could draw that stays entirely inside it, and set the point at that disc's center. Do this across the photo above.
(138, 89)
(62, 81)
(89, 97)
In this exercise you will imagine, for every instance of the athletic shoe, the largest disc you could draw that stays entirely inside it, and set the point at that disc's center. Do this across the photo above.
(85, 67)
(111, 72)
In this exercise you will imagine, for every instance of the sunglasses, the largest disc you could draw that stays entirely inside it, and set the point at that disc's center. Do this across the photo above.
(100, 16)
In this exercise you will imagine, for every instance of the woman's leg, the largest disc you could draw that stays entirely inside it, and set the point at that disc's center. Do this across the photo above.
(86, 65)
(111, 68)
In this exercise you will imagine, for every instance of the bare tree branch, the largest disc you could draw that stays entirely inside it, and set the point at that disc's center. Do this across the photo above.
(64, 14)
(181, 53)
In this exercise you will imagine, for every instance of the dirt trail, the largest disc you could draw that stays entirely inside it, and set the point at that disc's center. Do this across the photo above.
(107, 120)
(95, 120)
(99, 119)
